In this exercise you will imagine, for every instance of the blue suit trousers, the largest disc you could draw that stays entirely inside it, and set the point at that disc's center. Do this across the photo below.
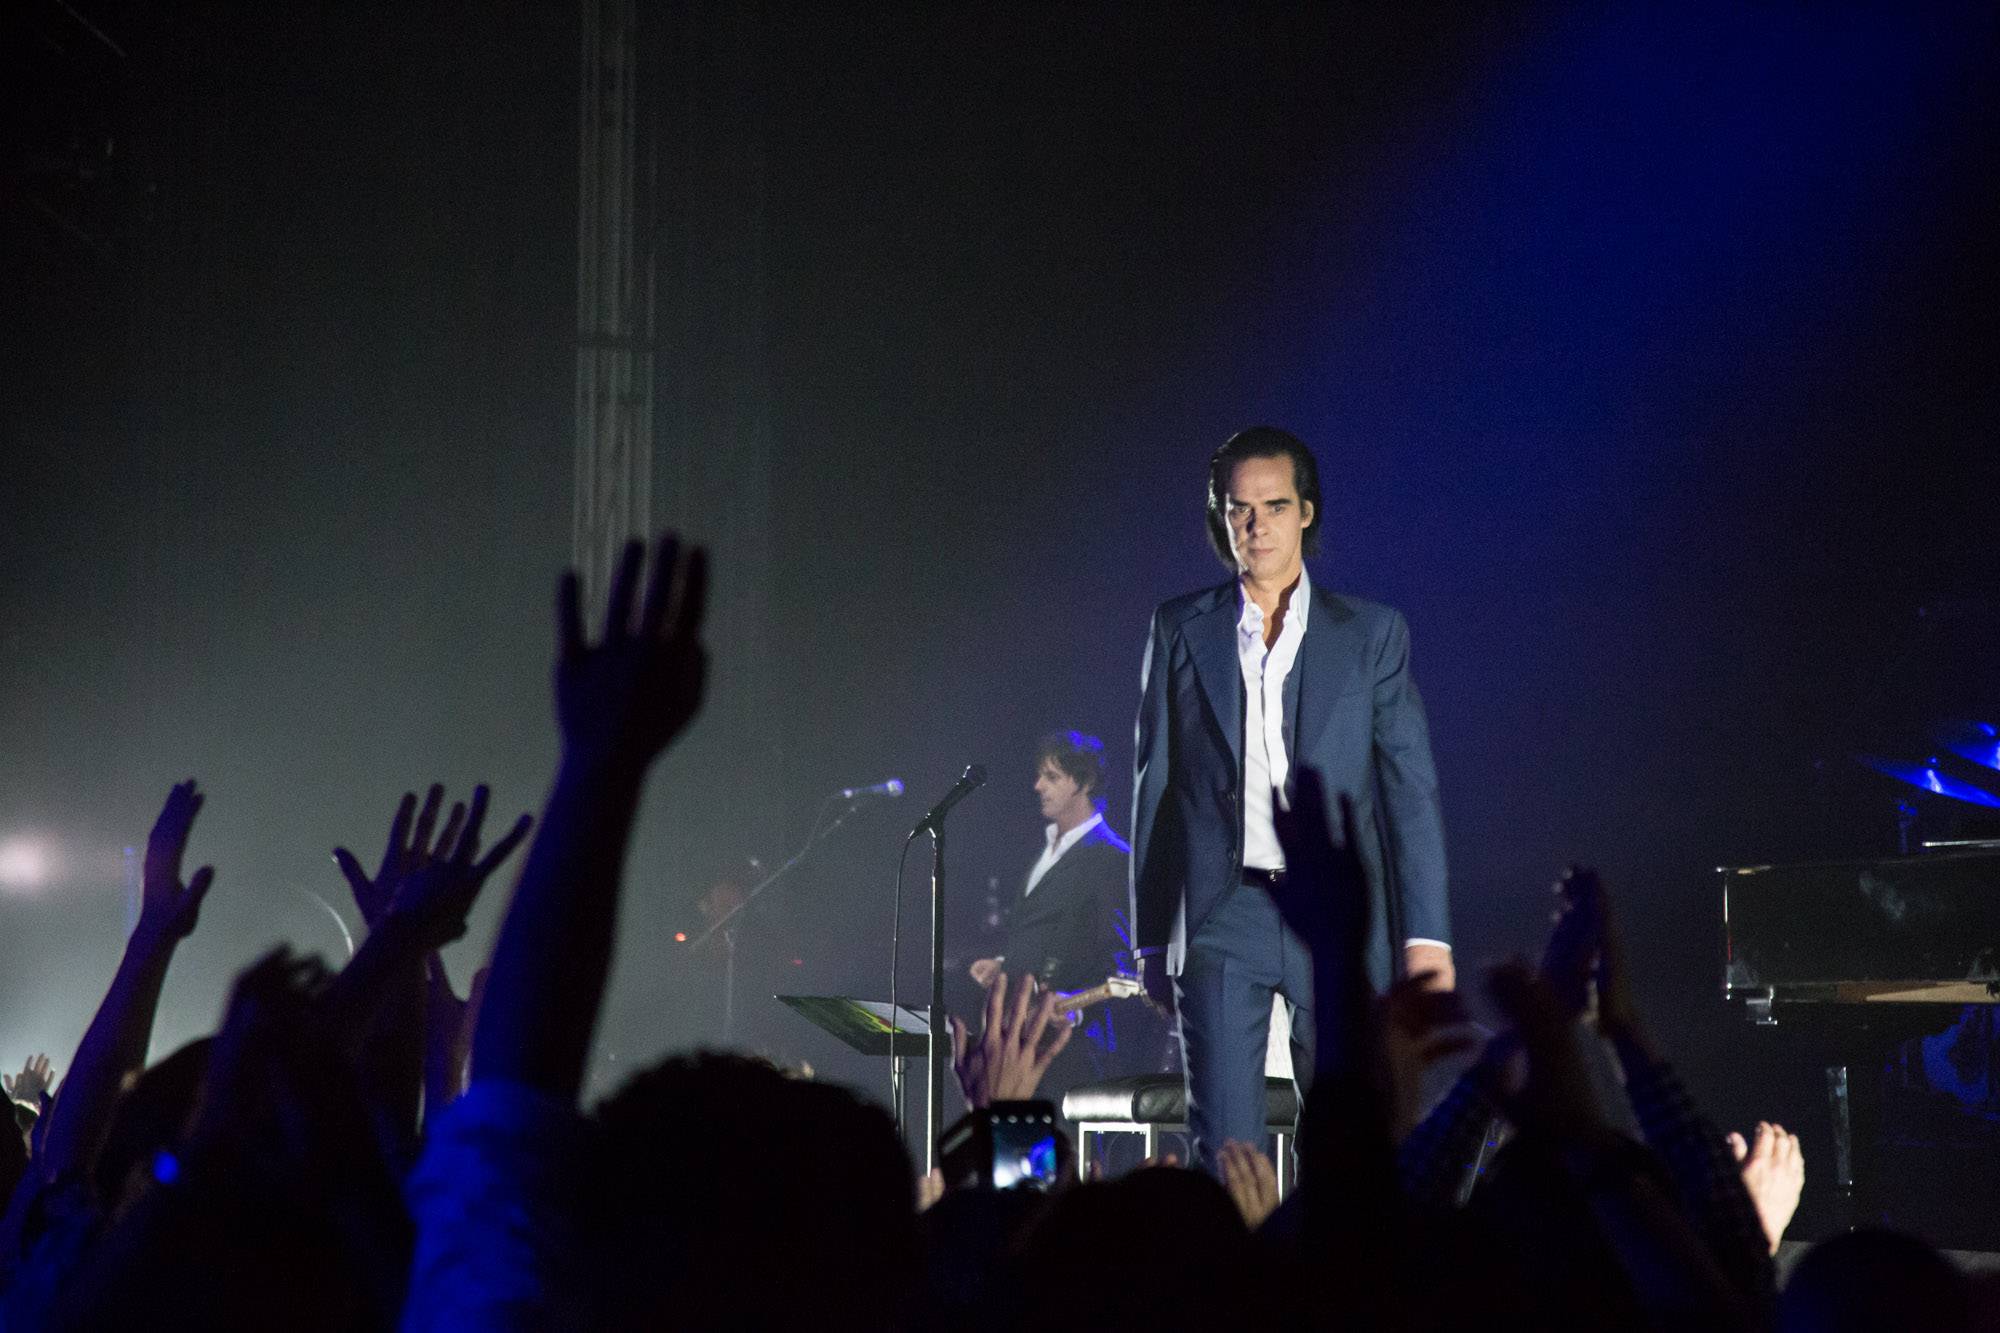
(1240, 956)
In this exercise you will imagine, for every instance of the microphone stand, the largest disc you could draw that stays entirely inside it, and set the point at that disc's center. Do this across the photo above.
(721, 923)
(934, 1094)
(972, 780)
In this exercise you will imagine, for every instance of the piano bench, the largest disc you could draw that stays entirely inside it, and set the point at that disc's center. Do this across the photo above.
(1154, 1104)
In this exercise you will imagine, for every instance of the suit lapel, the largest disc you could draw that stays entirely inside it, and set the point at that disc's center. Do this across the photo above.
(1211, 641)
(1318, 672)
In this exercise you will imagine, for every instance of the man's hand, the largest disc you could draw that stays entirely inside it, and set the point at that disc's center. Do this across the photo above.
(984, 970)
(28, 1086)
(1557, 1099)
(1159, 987)
(1617, 1011)
(1010, 1058)
(436, 896)
(408, 850)
(1570, 957)
(1420, 1025)
(1251, 1180)
(1323, 894)
(1774, 1175)
(622, 701)
(1432, 962)
(168, 908)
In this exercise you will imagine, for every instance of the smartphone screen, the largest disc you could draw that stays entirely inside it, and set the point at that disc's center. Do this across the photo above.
(1024, 1146)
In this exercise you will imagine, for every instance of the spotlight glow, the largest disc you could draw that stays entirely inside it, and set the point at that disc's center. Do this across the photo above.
(24, 865)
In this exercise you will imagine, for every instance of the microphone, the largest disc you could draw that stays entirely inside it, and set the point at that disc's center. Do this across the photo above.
(973, 779)
(893, 787)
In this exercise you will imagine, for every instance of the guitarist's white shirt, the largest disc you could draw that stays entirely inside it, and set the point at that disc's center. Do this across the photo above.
(1055, 849)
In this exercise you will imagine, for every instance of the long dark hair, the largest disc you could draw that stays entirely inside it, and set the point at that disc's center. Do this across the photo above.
(1260, 442)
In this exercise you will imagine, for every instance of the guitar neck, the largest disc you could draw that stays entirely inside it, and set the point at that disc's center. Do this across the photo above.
(1083, 999)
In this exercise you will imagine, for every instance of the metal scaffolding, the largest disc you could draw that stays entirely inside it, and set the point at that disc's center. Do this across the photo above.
(616, 179)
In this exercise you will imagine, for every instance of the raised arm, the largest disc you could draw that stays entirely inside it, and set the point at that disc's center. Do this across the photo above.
(1324, 898)
(620, 703)
(391, 1057)
(427, 894)
(1021, 1039)
(1703, 1169)
(1352, 1202)
(1670, 1271)
(114, 1046)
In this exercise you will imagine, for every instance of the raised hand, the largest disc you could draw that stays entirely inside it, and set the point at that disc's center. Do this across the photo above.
(436, 895)
(623, 700)
(409, 848)
(433, 882)
(113, 1048)
(1774, 1175)
(1019, 1043)
(1617, 1010)
(168, 907)
(28, 1086)
(1570, 958)
(1323, 894)
(619, 703)
(1557, 1099)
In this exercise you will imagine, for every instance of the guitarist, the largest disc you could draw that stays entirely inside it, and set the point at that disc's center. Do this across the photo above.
(1064, 927)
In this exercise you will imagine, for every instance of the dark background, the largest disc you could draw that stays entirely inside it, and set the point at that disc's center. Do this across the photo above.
(1649, 359)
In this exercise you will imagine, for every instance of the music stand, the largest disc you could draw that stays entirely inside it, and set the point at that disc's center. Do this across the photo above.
(866, 1024)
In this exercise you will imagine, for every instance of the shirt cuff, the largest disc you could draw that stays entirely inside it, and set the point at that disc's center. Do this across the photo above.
(1435, 944)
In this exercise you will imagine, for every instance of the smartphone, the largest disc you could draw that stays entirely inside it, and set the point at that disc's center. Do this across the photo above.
(1009, 1145)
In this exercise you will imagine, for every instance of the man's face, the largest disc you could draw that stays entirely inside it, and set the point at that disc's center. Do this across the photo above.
(1058, 790)
(1267, 520)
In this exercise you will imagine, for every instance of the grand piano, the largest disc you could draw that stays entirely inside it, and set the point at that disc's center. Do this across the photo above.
(1857, 957)
(1921, 929)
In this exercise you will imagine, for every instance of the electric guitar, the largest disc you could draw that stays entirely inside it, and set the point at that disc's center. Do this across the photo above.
(1071, 1004)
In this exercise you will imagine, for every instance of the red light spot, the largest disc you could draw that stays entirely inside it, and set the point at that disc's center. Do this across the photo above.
(798, 962)
(680, 937)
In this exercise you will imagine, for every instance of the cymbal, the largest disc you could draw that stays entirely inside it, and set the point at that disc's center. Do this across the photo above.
(1928, 778)
(1975, 742)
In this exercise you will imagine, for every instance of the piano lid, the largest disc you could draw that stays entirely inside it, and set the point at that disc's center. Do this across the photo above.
(1909, 929)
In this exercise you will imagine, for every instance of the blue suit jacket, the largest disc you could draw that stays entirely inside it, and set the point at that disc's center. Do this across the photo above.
(1352, 713)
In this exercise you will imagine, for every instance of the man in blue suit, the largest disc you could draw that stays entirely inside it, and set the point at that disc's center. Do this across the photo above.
(1243, 685)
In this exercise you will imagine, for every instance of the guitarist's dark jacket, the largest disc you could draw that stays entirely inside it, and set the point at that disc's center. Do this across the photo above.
(1064, 931)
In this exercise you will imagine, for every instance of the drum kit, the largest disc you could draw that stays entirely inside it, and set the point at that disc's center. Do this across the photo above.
(1962, 766)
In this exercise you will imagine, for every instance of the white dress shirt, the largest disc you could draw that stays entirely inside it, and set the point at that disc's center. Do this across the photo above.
(1266, 764)
(1055, 849)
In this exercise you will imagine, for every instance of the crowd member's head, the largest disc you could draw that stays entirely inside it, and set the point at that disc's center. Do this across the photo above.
(967, 1236)
(1069, 776)
(730, 1194)
(152, 1117)
(13, 1153)
(1874, 1281)
(250, 1180)
(1553, 1266)
(1263, 502)
(1160, 1248)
